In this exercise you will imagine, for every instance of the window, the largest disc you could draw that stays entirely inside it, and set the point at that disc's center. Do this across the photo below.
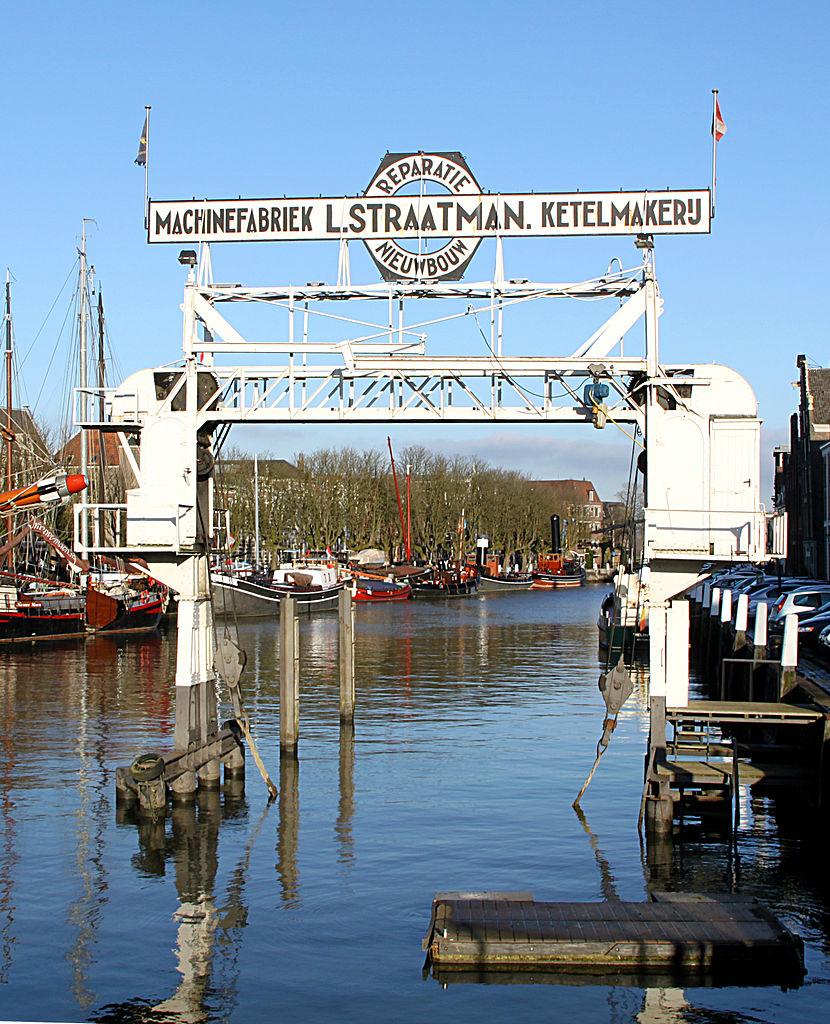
(809, 600)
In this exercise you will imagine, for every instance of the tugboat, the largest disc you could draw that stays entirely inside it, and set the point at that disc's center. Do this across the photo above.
(461, 581)
(554, 571)
(491, 577)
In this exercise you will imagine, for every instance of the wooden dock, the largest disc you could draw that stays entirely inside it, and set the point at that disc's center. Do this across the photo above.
(715, 747)
(677, 934)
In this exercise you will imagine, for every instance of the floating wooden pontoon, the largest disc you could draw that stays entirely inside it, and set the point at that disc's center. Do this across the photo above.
(676, 933)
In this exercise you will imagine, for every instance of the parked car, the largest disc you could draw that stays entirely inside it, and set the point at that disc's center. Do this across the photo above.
(771, 592)
(823, 643)
(805, 601)
(810, 627)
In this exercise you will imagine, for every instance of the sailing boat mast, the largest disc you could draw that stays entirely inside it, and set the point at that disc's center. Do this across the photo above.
(102, 372)
(256, 512)
(83, 381)
(9, 432)
(398, 497)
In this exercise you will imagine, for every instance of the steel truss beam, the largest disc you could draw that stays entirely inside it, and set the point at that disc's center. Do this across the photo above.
(380, 372)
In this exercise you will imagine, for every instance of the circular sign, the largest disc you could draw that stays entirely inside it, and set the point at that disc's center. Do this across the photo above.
(400, 171)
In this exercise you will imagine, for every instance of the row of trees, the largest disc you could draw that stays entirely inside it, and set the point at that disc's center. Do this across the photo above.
(345, 499)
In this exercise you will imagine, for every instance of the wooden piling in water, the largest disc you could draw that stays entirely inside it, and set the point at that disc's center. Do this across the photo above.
(346, 622)
(289, 676)
(183, 789)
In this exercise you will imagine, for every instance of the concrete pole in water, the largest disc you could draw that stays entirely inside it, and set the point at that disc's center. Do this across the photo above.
(289, 676)
(703, 624)
(723, 644)
(759, 637)
(659, 809)
(741, 621)
(726, 608)
(346, 623)
(789, 654)
(713, 638)
(677, 654)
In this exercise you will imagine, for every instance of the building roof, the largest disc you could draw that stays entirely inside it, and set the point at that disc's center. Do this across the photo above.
(818, 388)
(30, 449)
(70, 453)
(24, 428)
(568, 492)
(281, 469)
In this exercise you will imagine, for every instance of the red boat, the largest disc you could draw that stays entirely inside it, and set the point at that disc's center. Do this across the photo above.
(379, 590)
(124, 610)
(553, 572)
(40, 614)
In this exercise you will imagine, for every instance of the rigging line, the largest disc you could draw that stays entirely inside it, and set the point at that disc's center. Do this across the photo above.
(507, 377)
(51, 308)
(69, 310)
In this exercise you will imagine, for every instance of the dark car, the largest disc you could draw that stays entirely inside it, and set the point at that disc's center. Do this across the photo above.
(810, 628)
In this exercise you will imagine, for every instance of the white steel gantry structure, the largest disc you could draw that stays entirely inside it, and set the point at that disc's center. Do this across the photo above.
(698, 424)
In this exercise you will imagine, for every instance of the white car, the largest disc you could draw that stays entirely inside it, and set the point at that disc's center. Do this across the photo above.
(805, 601)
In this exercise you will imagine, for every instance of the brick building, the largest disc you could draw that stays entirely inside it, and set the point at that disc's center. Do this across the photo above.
(801, 475)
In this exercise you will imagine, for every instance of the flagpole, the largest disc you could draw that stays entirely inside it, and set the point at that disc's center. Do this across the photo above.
(147, 171)
(714, 149)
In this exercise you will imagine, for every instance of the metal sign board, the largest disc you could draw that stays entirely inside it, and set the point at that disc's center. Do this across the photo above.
(388, 216)
(413, 217)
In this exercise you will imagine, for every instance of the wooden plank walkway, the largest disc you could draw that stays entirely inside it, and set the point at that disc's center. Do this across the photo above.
(688, 774)
(743, 712)
(679, 933)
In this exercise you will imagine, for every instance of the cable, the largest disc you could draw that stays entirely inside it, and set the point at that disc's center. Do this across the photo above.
(46, 318)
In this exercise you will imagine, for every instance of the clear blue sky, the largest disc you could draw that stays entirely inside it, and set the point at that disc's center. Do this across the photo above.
(270, 99)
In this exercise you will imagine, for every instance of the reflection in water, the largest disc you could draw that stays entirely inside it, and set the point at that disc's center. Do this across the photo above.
(288, 830)
(607, 883)
(345, 806)
(663, 1006)
(8, 846)
(477, 722)
(195, 859)
(93, 817)
(208, 937)
(233, 918)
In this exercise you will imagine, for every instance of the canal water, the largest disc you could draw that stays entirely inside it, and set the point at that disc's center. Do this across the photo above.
(476, 724)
